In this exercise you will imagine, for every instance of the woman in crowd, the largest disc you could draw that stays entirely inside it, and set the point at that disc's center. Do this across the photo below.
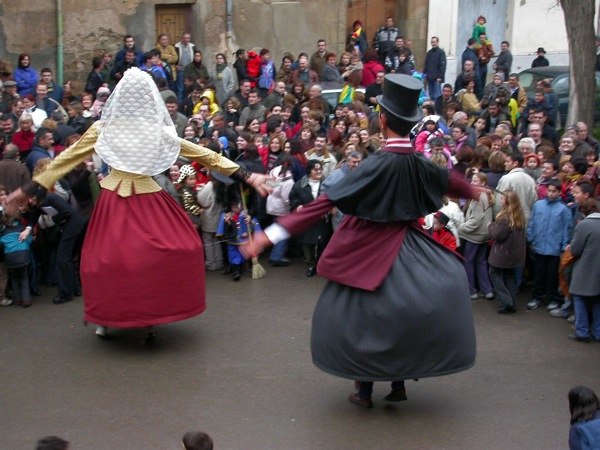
(508, 251)
(278, 203)
(475, 236)
(307, 138)
(190, 133)
(584, 407)
(585, 280)
(285, 70)
(304, 192)
(25, 76)
(468, 101)
(24, 136)
(223, 79)
(293, 148)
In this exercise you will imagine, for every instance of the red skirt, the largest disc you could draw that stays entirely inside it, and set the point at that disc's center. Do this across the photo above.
(142, 262)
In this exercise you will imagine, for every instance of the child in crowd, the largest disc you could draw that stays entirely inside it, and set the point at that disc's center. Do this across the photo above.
(235, 227)
(532, 167)
(441, 233)
(16, 257)
(475, 236)
(508, 251)
(479, 28)
(429, 131)
(584, 407)
(549, 232)
(197, 440)
(187, 182)
(211, 198)
(4, 301)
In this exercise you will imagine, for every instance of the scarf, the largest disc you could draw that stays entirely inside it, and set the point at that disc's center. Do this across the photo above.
(219, 69)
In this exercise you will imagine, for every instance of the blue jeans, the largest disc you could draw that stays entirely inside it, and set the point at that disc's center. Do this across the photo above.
(278, 251)
(179, 87)
(582, 322)
(477, 268)
(434, 89)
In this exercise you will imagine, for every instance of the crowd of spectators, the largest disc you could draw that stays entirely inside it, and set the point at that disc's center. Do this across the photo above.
(276, 120)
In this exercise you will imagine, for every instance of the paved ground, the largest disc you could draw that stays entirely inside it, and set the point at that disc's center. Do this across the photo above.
(242, 372)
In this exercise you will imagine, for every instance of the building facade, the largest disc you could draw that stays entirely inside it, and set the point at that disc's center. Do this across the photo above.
(90, 27)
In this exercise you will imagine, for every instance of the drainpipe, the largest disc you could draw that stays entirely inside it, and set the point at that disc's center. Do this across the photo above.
(59, 42)
(229, 25)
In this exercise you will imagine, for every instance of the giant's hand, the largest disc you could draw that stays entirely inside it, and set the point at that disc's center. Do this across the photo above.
(13, 201)
(259, 182)
(255, 246)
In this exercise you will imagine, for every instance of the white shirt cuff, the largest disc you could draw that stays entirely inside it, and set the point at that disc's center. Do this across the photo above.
(276, 233)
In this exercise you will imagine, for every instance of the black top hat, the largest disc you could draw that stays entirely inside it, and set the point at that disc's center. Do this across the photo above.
(541, 50)
(401, 97)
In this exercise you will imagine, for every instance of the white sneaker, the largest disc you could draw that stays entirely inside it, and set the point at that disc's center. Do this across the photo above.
(559, 313)
(6, 302)
(534, 304)
(489, 296)
(553, 305)
(474, 296)
(571, 318)
(101, 331)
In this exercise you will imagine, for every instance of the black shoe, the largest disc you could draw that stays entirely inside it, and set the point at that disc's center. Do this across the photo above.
(36, 292)
(227, 270)
(574, 337)
(77, 293)
(311, 272)
(58, 299)
(397, 395)
(237, 274)
(509, 309)
(360, 401)
(279, 262)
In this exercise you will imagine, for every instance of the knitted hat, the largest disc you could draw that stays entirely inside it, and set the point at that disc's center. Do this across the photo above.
(185, 171)
(443, 218)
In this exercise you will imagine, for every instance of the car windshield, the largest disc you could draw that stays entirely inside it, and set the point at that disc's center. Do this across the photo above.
(529, 80)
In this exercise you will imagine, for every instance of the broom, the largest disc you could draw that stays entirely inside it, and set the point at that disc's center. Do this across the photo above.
(258, 271)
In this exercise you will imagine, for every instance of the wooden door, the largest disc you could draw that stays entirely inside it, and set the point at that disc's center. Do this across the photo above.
(173, 20)
(371, 13)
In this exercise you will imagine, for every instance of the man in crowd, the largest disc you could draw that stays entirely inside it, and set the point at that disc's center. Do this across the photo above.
(485, 52)
(120, 67)
(55, 91)
(541, 60)
(375, 89)
(129, 44)
(303, 73)
(319, 58)
(42, 101)
(275, 97)
(443, 100)
(385, 38)
(320, 153)
(185, 53)
(179, 120)
(435, 68)
(254, 110)
(505, 58)
(13, 174)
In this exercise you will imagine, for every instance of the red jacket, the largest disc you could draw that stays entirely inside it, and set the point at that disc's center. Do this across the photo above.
(445, 237)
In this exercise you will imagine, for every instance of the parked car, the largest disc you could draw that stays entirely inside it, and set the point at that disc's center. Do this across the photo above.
(559, 80)
(331, 92)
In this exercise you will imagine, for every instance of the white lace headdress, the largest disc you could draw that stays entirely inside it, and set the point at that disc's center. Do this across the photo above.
(136, 133)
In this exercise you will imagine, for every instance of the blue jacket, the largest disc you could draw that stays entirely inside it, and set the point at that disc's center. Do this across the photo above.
(549, 228)
(585, 435)
(35, 155)
(26, 80)
(16, 253)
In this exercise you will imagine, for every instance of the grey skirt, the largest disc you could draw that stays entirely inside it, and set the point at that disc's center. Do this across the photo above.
(417, 324)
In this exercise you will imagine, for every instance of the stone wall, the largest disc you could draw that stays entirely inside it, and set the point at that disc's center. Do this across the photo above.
(90, 27)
